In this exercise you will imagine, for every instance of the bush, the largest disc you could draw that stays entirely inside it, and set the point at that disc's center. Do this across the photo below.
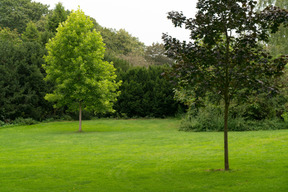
(2, 123)
(211, 118)
(66, 118)
(285, 117)
(22, 121)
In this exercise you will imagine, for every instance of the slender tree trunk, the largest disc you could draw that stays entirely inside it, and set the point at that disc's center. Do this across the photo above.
(227, 102)
(80, 117)
(226, 157)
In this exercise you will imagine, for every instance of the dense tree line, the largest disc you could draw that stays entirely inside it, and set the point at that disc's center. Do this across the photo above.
(26, 27)
(144, 90)
(21, 81)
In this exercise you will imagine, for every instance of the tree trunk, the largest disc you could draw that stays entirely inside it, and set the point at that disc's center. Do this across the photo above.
(80, 118)
(227, 102)
(226, 136)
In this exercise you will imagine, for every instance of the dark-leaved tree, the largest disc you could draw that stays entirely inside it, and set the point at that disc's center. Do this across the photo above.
(225, 54)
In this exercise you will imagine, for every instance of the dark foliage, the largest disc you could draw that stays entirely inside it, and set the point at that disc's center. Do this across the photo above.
(22, 86)
(145, 93)
(15, 14)
(225, 55)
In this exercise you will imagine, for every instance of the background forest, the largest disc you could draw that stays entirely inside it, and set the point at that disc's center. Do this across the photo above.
(26, 27)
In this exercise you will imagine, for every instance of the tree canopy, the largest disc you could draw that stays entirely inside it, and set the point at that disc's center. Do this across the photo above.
(75, 64)
(225, 55)
(15, 14)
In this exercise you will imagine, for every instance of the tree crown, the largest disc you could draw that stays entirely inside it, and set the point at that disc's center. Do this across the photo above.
(75, 64)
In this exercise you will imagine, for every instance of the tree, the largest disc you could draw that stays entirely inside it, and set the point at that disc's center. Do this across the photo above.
(124, 46)
(75, 64)
(225, 55)
(15, 14)
(22, 87)
(155, 54)
(57, 16)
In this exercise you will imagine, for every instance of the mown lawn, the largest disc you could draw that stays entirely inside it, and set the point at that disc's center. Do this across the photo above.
(138, 156)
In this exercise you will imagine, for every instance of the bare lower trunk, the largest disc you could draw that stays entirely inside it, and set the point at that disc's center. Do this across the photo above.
(226, 137)
(80, 118)
(227, 102)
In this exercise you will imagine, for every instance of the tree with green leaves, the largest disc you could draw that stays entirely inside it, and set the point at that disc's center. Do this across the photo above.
(225, 55)
(15, 14)
(75, 64)
(57, 16)
(155, 54)
(22, 88)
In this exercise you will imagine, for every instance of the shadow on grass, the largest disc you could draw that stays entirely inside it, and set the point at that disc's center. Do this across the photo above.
(73, 132)
(221, 170)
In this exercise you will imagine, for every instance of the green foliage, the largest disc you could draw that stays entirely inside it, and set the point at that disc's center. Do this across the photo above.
(285, 116)
(31, 33)
(210, 118)
(10, 36)
(15, 14)
(57, 16)
(123, 45)
(225, 54)
(22, 87)
(75, 64)
(120, 64)
(278, 43)
(145, 93)
(22, 121)
(121, 42)
(155, 54)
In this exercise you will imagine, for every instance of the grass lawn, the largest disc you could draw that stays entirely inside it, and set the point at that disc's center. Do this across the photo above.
(138, 156)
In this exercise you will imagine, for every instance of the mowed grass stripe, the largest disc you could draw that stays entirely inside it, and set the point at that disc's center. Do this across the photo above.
(139, 155)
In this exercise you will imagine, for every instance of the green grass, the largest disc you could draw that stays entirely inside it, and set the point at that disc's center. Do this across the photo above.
(138, 156)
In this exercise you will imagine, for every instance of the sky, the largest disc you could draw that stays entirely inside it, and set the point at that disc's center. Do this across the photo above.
(144, 19)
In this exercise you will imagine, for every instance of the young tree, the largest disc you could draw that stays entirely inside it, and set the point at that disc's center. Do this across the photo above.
(225, 55)
(75, 64)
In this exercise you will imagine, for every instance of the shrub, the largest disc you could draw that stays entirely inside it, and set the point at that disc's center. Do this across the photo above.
(285, 116)
(2, 123)
(22, 121)
(211, 119)
(66, 118)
